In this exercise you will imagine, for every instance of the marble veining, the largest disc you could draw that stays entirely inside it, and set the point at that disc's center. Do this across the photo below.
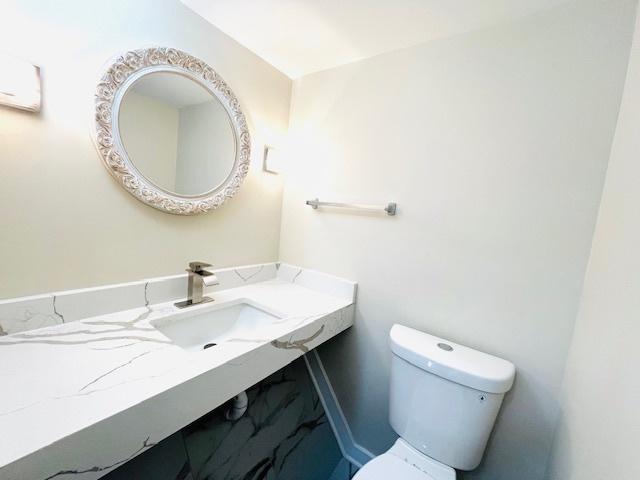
(146, 444)
(55, 310)
(316, 281)
(167, 460)
(300, 344)
(248, 276)
(72, 385)
(31, 313)
(289, 273)
(283, 435)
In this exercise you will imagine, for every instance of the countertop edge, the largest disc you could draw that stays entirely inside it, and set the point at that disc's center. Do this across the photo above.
(143, 425)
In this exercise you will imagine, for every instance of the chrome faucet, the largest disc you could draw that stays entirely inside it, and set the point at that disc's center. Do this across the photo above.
(198, 279)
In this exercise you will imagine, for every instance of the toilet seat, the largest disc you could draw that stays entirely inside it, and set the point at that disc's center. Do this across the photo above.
(388, 466)
(404, 462)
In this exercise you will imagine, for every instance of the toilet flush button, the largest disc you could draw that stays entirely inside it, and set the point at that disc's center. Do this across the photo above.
(445, 347)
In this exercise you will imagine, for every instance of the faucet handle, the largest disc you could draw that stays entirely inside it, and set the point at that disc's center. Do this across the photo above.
(196, 267)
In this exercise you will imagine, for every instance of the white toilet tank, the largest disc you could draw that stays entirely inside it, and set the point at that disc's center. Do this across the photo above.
(444, 397)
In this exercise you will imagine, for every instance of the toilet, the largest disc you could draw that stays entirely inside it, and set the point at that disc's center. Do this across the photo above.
(444, 400)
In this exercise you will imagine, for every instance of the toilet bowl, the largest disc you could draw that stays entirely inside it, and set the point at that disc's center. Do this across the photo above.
(403, 462)
(444, 399)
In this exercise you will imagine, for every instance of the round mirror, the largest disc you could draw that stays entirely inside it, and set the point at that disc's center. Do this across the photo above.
(176, 133)
(171, 131)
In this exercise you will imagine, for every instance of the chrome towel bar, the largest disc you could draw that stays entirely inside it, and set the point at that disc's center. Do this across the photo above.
(390, 208)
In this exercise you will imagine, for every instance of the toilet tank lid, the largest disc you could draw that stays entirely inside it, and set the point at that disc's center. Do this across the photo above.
(454, 362)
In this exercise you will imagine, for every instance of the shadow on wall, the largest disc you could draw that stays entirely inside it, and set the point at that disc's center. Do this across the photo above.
(561, 457)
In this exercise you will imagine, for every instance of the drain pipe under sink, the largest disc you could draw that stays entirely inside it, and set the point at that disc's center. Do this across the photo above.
(236, 407)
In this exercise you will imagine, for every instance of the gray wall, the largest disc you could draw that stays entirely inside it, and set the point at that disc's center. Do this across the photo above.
(495, 146)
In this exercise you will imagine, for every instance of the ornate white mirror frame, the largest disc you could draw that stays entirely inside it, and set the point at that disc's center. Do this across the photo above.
(120, 74)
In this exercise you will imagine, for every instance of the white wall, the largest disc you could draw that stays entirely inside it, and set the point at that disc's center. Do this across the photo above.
(65, 222)
(141, 119)
(599, 429)
(495, 145)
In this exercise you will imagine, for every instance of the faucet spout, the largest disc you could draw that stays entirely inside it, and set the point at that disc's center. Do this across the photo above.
(209, 279)
(198, 279)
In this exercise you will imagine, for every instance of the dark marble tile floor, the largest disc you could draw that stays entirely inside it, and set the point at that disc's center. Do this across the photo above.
(284, 435)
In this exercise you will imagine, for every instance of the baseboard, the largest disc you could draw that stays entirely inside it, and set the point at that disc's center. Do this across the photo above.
(354, 453)
(342, 470)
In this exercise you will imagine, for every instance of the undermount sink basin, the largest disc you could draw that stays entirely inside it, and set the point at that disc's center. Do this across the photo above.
(193, 331)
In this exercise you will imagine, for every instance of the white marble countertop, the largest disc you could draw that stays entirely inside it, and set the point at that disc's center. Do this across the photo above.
(80, 398)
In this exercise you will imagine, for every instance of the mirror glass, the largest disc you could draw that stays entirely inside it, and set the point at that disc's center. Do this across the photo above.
(176, 133)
